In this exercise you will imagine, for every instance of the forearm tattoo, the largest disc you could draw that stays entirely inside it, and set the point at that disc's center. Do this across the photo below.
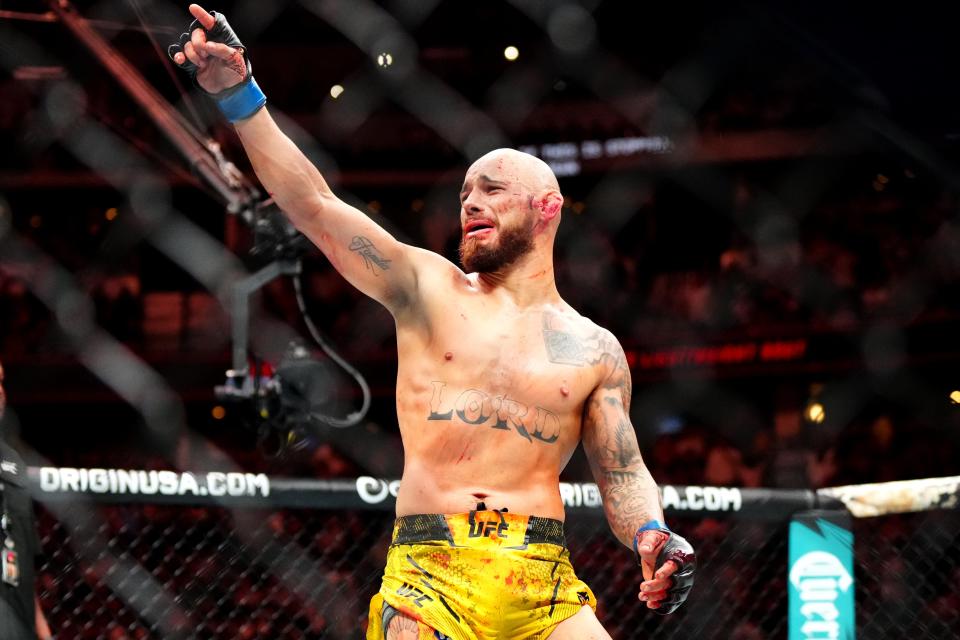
(372, 258)
(630, 495)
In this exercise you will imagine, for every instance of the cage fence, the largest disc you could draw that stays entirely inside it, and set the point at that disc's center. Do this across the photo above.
(178, 566)
(92, 122)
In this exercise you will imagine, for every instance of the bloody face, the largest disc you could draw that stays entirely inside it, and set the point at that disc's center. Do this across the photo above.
(497, 220)
(488, 254)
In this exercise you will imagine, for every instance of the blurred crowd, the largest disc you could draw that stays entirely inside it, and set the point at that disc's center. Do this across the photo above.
(646, 266)
(656, 273)
(802, 243)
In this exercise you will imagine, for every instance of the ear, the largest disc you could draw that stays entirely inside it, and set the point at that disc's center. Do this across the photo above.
(549, 203)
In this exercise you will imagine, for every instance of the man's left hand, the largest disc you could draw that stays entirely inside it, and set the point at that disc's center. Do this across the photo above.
(668, 563)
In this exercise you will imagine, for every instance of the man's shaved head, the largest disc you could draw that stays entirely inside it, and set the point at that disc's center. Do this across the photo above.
(530, 171)
(517, 198)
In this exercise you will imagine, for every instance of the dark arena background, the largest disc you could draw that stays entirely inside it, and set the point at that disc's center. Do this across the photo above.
(761, 204)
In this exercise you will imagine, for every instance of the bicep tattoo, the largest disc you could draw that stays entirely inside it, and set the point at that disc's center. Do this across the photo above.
(372, 258)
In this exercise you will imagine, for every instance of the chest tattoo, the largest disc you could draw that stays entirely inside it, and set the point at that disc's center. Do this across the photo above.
(476, 407)
(566, 347)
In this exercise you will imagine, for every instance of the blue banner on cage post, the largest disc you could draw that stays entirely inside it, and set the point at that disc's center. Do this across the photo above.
(820, 581)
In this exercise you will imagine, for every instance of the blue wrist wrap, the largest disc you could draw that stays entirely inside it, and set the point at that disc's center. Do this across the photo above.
(242, 102)
(653, 525)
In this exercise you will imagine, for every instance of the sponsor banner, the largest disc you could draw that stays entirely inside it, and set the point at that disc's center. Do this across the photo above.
(373, 491)
(368, 493)
(586, 495)
(693, 498)
(377, 490)
(140, 482)
(820, 579)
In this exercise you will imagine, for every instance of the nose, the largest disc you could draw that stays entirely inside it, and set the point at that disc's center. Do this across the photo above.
(470, 204)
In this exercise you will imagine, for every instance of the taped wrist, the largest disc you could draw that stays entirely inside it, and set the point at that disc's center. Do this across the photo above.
(652, 525)
(242, 101)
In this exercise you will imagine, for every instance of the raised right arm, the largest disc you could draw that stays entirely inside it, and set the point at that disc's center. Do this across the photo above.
(361, 250)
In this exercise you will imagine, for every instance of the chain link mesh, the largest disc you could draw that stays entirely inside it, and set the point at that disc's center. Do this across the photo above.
(796, 206)
(908, 569)
(299, 574)
(310, 574)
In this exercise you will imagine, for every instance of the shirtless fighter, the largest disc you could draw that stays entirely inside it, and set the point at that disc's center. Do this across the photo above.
(499, 379)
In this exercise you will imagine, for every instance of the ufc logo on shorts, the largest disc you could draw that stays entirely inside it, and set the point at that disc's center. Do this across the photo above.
(415, 594)
(486, 528)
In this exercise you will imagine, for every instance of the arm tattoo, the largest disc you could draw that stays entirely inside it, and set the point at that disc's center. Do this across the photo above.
(372, 258)
(630, 495)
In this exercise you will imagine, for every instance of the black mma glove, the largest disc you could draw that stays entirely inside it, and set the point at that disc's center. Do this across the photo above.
(241, 100)
(677, 549)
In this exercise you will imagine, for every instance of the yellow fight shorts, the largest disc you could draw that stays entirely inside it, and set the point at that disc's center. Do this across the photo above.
(481, 575)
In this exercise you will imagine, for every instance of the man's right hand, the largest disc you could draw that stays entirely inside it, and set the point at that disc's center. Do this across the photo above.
(211, 52)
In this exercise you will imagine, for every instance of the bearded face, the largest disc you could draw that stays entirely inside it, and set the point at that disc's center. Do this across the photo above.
(497, 249)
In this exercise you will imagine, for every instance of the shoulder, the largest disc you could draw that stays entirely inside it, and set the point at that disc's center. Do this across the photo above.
(435, 280)
(574, 339)
(431, 267)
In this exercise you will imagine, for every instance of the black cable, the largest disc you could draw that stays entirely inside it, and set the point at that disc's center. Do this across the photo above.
(355, 417)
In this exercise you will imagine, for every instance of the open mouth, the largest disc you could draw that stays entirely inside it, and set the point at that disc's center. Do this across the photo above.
(477, 228)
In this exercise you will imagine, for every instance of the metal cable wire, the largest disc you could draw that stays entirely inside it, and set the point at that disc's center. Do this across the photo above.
(356, 416)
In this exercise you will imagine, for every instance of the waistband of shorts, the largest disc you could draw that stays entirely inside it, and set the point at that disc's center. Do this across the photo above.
(478, 528)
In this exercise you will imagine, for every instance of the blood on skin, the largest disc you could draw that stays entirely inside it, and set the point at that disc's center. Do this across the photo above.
(548, 205)
(330, 251)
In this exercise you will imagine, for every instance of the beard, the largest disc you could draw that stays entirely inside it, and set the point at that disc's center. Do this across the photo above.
(513, 243)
